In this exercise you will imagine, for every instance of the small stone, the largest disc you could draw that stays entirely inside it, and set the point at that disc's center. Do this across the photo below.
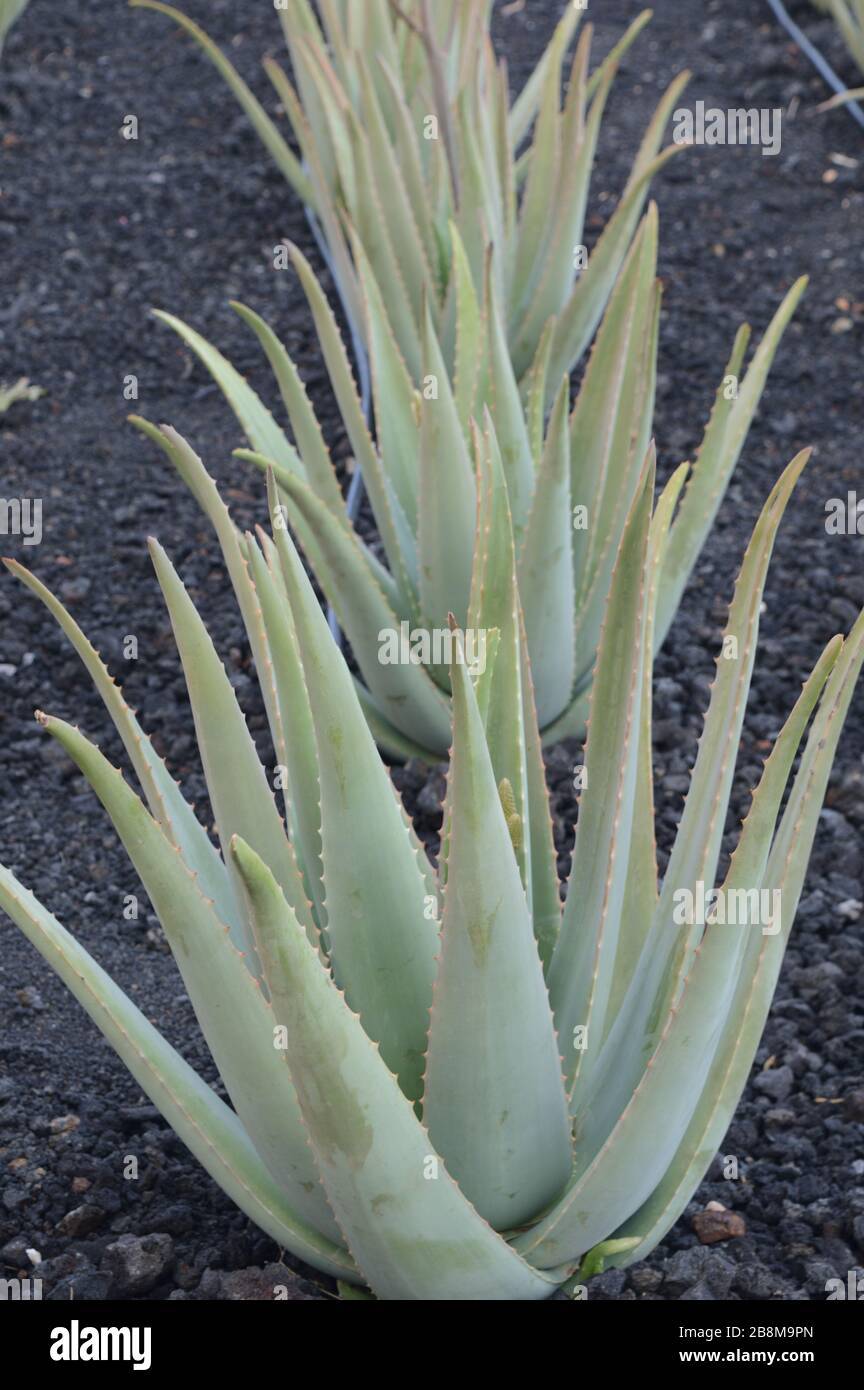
(713, 1226)
(609, 1284)
(757, 1282)
(84, 1285)
(14, 1252)
(272, 1282)
(818, 1275)
(696, 1266)
(63, 1124)
(137, 1263)
(75, 589)
(15, 1195)
(780, 1118)
(699, 1293)
(30, 998)
(777, 1082)
(850, 908)
(853, 1104)
(81, 1221)
(80, 1185)
(645, 1280)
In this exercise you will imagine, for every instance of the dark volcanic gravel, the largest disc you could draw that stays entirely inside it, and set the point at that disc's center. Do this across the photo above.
(94, 230)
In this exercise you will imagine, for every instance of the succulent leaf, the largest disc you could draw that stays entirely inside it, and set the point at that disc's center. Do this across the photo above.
(205, 1123)
(415, 1235)
(239, 792)
(382, 942)
(494, 1096)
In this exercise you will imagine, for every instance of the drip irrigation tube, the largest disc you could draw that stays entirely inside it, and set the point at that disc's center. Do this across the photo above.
(822, 66)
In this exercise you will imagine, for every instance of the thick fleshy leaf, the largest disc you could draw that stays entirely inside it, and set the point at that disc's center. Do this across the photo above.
(326, 108)
(697, 843)
(236, 781)
(504, 401)
(579, 317)
(533, 390)
(545, 891)
(525, 106)
(318, 469)
(382, 942)
(580, 976)
(236, 1020)
(395, 539)
(404, 690)
(301, 754)
(495, 607)
(370, 221)
(206, 494)
(601, 423)
(164, 797)
(667, 955)
(544, 174)
(721, 448)
(640, 896)
(494, 1097)
(325, 205)
(470, 327)
(447, 495)
(396, 422)
(255, 419)
(551, 283)
(413, 1233)
(759, 970)
(407, 139)
(405, 233)
(546, 571)
(610, 431)
(663, 1104)
(205, 1123)
(379, 572)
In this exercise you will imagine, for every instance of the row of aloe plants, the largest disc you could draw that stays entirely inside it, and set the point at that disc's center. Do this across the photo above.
(444, 1085)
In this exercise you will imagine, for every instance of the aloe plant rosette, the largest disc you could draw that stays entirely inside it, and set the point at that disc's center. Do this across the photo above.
(443, 1086)
(571, 478)
(458, 262)
(404, 125)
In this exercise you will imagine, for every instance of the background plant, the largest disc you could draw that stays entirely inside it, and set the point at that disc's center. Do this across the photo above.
(373, 82)
(455, 261)
(571, 478)
(357, 1048)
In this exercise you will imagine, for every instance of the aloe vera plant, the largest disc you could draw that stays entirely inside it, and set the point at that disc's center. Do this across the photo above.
(444, 1086)
(571, 478)
(402, 117)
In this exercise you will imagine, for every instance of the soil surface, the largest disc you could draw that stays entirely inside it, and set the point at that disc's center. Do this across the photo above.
(95, 230)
